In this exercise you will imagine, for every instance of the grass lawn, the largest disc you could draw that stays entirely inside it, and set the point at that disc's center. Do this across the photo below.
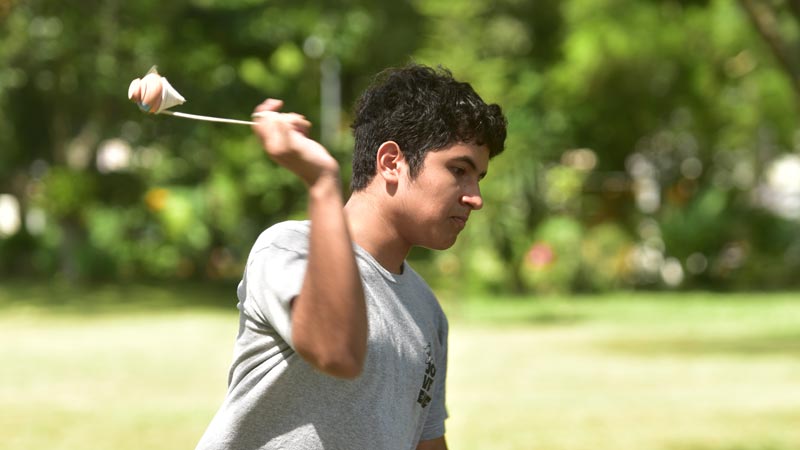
(136, 367)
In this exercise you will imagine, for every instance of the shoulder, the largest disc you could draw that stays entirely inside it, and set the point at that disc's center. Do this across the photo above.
(283, 240)
(291, 234)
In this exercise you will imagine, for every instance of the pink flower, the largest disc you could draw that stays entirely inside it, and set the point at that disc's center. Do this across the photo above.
(540, 255)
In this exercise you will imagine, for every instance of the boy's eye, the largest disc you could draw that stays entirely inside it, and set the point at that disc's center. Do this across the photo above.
(458, 171)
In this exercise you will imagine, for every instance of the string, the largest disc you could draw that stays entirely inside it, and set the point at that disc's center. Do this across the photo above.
(206, 118)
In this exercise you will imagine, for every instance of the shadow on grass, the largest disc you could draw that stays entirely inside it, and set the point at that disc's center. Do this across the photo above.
(752, 345)
(516, 312)
(551, 318)
(63, 297)
(745, 446)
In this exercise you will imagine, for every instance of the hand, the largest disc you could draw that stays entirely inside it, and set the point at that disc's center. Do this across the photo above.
(284, 137)
(146, 92)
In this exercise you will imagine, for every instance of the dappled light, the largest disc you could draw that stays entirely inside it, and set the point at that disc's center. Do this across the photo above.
(674, 114)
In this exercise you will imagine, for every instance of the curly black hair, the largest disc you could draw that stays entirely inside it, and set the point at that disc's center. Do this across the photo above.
(421, 109)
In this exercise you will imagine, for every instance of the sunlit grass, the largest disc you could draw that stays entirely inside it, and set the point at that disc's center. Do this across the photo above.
(672, 372)
(145, 368)
(128, 381)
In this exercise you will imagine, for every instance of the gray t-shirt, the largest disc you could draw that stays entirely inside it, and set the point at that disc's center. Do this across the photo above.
(276, 400)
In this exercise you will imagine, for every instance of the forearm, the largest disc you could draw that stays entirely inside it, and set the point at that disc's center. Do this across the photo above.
(433, 444)
(329, 319)
(329, 316)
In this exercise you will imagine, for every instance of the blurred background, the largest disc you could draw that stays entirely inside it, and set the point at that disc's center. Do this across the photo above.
(653, 157)
(652, 144)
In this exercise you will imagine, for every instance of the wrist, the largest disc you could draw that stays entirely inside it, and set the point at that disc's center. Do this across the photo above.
(316, 168)
(326, 183)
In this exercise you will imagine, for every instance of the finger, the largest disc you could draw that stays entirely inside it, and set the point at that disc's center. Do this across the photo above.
(269, 104)
(265, 119)
(294, 117)
(276, 121)
(265, 114)
(299, 122)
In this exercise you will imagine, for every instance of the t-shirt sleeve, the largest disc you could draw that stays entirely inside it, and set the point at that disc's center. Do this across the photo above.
(274, 277)
(434, 424)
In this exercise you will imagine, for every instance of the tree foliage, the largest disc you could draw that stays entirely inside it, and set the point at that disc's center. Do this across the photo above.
(644, 136)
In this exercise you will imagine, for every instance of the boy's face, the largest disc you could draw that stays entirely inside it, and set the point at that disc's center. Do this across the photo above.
(437, 203)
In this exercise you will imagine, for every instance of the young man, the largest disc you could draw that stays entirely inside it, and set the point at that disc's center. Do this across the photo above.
(341, 344)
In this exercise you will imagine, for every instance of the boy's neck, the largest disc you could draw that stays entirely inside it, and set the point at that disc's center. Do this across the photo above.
(373, 231)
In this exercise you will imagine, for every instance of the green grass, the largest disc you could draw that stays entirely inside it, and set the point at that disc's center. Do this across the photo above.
(131, 367)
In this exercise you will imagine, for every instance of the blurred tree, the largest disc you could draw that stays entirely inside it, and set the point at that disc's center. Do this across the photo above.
(161, 196)
(652, 108)
(652, 128)
(777, 22)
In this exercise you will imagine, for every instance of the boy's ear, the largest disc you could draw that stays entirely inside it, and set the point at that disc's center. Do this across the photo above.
(389, 161)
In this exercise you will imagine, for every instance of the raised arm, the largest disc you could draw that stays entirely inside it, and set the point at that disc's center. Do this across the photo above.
(433, 444)
(329, 319)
